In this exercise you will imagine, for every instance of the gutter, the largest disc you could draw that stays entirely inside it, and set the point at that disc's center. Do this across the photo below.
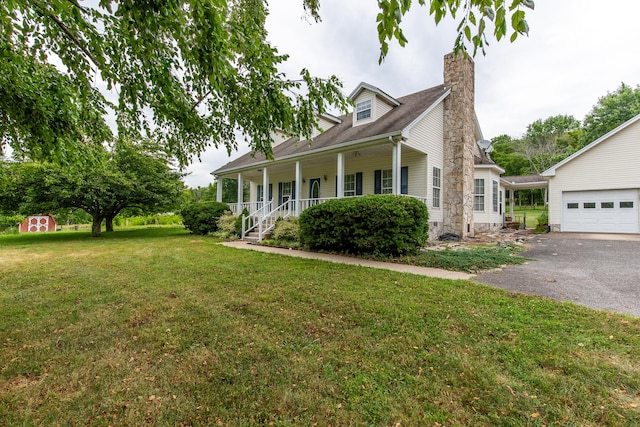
(368, 141)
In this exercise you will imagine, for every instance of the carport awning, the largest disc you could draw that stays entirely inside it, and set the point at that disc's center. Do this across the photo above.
(524, 182)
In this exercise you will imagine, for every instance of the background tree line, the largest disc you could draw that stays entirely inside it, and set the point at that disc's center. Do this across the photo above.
(548, 141)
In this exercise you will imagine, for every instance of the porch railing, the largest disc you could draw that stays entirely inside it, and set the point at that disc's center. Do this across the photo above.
(307, 203)
(263, 218)
(254, 220)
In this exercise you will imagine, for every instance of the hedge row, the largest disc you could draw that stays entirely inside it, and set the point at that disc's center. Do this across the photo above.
(370, 225)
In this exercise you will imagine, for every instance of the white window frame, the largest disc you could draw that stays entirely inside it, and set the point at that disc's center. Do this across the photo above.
(478, 194)
(286, 191)
(350, 185)
(386, 186)
(495, 195)
(364, 110)
(436, 182)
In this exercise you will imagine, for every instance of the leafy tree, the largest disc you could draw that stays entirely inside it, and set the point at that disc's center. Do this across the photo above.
(548, 141)
(130, 176)
(187, 72)
(505, 154)
(611, 111)
(474, 18)
(190, 73)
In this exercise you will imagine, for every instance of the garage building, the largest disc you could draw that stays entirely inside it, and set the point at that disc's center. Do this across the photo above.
(597, 189)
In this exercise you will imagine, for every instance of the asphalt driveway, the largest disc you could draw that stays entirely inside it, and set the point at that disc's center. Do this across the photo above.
(600, 271)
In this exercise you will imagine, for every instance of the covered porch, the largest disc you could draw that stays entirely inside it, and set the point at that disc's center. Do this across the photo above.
(286, 187)
(524, 182)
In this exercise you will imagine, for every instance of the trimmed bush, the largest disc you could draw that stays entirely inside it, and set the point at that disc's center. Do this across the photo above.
(226, 227)
(287, 230)
(372, 225)
(202, 217)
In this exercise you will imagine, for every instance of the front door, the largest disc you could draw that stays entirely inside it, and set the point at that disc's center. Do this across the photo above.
(314, 189)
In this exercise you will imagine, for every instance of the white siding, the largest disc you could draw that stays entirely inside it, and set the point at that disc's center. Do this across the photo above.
(610, 165)
(488, 219)
(278, 137)
(379, 107)
(324, 124)
(427, 136)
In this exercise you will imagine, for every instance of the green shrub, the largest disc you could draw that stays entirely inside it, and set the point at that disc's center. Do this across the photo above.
(202, 218)
(287, 230)
(226, 227)
(371, 225)
(543, 218)
(9, 222)
(238, 222)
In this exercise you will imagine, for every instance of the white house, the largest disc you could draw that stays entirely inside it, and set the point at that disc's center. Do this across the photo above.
(422, 145)
(597, 189)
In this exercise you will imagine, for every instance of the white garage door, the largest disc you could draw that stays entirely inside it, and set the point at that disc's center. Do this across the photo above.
(607, 211)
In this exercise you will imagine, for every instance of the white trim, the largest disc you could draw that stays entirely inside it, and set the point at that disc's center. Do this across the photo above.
(298, 192)
(391, 100)
(493, 166)
(340, 177)
(552, 170)
(408, 128)
(370, 140)
(330, 118)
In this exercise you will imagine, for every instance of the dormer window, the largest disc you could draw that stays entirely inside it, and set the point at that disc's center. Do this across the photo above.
(363, 110)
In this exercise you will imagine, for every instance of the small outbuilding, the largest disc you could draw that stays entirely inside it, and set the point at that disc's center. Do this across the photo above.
(597, 189)
(38, 223)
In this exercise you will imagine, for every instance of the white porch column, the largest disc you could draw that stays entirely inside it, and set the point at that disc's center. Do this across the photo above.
(298, 188)
(265, 186)
(219, 189)
(396, 168)
(340, 181)
(512, 201)
(240, 192)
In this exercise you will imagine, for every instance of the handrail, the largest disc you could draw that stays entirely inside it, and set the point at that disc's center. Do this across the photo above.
(257, 218)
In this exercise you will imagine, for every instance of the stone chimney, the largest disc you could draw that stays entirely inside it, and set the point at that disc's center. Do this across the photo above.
(459, 140)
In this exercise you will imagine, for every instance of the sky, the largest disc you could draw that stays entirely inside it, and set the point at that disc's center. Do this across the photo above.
(576, 52)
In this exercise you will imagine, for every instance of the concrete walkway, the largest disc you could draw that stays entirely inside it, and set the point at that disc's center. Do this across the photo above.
(424, 271)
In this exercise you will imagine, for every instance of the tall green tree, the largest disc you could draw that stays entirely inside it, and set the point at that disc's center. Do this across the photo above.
(189, 73)
(548, 141)
(611, 111)
(129, 176)
(505, 154)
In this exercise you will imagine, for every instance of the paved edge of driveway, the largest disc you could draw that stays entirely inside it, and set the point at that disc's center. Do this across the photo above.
(403, 268)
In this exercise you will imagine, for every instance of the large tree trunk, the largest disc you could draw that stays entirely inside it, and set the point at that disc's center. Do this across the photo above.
(96, 226)
(109, 223)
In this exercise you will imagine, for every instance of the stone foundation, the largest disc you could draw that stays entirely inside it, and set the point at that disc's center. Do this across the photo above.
(485, 227)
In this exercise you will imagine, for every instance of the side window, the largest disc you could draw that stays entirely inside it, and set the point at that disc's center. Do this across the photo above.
(478, 195)
(437, 183)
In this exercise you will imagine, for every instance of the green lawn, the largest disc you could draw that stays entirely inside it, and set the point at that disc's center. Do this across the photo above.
(157, 327)
(531, 213)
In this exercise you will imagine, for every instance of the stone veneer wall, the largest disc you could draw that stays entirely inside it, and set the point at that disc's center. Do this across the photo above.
(459, 140)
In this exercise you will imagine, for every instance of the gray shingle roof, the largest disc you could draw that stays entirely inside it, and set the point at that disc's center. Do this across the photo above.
(394, 121)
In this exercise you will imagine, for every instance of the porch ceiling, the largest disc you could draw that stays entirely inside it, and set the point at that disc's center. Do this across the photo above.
(384, 149)
(525, 182)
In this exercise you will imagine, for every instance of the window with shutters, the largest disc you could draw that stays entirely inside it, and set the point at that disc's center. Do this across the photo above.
(350, 185)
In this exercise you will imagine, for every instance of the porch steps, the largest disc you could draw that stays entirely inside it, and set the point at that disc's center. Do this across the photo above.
(254, 236)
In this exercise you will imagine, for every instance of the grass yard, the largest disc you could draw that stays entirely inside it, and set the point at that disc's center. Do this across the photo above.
(157, 327)
(530, 212)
